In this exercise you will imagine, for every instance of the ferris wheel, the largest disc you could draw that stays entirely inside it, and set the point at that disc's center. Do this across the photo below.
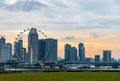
(18, 52)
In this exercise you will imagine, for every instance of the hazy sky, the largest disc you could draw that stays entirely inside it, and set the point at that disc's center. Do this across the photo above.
(96, 23)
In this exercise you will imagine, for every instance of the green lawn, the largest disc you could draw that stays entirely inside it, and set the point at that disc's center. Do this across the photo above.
(62, 76)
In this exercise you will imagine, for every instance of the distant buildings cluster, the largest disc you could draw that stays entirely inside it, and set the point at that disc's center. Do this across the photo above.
(45, 50)
(5, 50)
(38, 49)
(71, 54)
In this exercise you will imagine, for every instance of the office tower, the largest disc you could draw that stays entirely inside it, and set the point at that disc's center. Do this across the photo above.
(2, 44)
(50, 49)
(7, 52)
(18, 46)
(70, 53)
(81, 49)
(73, 54)
(41, 50)
(33, 44)
(106, 56)
(67, 52)
(97, 58)
(24, 55)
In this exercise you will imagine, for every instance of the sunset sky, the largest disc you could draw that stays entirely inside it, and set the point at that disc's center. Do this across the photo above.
(96, 23)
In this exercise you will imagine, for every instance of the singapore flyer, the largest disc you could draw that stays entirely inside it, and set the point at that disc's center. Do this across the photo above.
(29, 46)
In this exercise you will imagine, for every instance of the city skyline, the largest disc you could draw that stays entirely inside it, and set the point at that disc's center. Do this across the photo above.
(93, 22)
(47, 49)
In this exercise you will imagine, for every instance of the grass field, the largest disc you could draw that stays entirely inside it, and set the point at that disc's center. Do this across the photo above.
(62, 76)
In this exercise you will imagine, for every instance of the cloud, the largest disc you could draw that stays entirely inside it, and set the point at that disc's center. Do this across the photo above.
(59, 3)
(64, 14)
(95, 35)
(23, 5)
(71, 38)
(58, 18)
(2, 3)
(90, 21)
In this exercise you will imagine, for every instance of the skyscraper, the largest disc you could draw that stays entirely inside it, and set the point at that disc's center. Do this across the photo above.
(18, 46)
(70, 53)
(2, 44)
(9, 46)
(97, 58)
(81, 52)
(73, 54)
(50, 49)
(33, 44)
(67, 52)
(7, 52)
(24, 55)
(41, 50)
(106, 56)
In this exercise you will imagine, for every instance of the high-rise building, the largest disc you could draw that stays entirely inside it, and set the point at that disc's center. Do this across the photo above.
(50, 49)
(7, 52)
(97, 58)
(9, 46)
(73, 54)
(33, 44)
(41, 50)
(70, 53)
(24, 54)
(67, 52)
(81, 49)
(18, 54)
(106, 56)
(2, 44)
